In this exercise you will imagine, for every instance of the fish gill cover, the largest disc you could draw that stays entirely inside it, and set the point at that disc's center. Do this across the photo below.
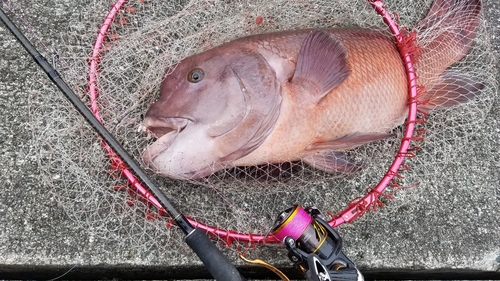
(147, 37)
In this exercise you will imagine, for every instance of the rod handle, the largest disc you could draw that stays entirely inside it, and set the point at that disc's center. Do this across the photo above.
(216, 263)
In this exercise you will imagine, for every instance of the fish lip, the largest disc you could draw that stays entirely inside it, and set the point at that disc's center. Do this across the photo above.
(197, 174)
(166, 131)
(158, 147)
(159, 127)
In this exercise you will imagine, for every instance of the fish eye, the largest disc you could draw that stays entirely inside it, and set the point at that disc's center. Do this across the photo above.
(195, 75)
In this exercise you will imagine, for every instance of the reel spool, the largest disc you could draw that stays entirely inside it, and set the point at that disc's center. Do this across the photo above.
(313, 245)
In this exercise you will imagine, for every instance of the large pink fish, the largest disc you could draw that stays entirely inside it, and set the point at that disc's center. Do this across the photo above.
(301, 95)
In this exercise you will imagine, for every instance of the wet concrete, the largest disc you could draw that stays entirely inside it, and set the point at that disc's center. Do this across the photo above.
(421, 235)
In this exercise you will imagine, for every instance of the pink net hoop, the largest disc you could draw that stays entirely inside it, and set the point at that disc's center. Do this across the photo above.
(355, 208)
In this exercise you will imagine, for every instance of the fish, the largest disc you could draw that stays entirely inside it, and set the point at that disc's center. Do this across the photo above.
(307, 95)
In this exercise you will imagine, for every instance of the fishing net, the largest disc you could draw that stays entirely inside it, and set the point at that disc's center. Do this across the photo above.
(146, 37)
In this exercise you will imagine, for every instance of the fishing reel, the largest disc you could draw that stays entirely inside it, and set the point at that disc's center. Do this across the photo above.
(313, 245)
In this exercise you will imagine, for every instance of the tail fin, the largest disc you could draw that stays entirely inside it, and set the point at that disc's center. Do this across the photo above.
(452, 88)
(445, 35)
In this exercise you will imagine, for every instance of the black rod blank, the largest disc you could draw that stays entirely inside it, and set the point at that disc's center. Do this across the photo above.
(87, 114)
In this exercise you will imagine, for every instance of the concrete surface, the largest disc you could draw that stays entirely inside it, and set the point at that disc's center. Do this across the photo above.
(420, 235)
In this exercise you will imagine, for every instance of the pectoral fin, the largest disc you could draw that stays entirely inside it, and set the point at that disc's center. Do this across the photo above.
(331, 162)
(321, 64)
(347, 142)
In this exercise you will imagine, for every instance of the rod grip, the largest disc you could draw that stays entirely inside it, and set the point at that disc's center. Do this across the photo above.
(217, 264)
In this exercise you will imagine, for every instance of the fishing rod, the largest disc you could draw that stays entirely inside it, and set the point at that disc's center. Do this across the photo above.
(216, 263)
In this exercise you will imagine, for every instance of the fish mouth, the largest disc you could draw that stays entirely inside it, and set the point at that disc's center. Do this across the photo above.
(165, 130)
(162, 126)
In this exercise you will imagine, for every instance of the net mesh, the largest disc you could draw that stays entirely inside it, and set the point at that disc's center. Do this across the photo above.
(145, 38)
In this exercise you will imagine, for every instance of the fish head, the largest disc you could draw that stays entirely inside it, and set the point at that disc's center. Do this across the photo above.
(210, 111)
